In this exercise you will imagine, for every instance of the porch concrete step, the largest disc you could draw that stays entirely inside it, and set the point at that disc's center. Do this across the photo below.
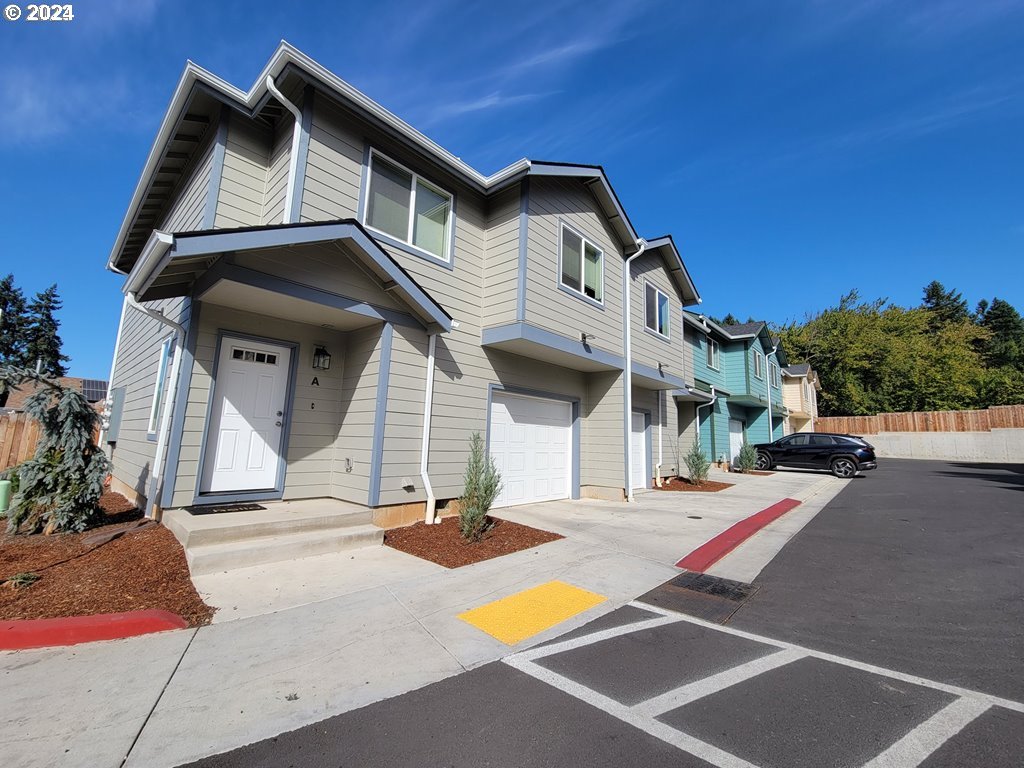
(222, 556)
(279, 520)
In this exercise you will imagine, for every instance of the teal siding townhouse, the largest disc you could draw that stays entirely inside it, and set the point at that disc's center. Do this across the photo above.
(737, 375)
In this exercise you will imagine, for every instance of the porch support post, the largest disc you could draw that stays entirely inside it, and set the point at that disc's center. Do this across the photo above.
(380, 414)
(188, 355)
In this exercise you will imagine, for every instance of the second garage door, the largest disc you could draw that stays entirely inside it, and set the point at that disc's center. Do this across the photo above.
(531, 442)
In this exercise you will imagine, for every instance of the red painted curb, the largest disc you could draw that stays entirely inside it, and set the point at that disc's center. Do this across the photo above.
(713, 550)
(41, 633)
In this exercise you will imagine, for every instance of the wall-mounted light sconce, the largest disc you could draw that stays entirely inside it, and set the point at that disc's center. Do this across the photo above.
(586, 338)
(321, 358)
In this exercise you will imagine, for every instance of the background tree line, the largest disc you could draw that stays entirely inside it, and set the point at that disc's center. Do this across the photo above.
(877, 357)
(29, 335)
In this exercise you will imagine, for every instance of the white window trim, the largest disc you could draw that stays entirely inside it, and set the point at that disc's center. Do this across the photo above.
(159, 386)
(758, 363)
(584, 242)
(407, 241)
(716, 352)
(668, 301)
(774, 375)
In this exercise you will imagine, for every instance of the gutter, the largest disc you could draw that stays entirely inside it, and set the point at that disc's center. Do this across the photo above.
(768, 388)
(163, 431)
(627, 330)
(430, 515)
(709, 404)
(293, 159)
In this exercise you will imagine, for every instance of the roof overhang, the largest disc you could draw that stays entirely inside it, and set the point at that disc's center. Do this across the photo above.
(692, 395)
(549, 347)
(666, 246)
(647, 377)
(175, 264)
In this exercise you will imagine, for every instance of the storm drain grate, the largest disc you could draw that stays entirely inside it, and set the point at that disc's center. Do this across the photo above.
(215, 509)
(697, 594)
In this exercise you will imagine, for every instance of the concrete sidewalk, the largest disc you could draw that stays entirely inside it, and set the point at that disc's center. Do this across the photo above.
(320, 638)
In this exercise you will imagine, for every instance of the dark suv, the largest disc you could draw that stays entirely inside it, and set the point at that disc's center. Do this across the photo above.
(842, 455)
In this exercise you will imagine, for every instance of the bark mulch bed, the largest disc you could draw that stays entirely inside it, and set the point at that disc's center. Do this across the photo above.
(444, 545)
(682, 484)
(124, 564)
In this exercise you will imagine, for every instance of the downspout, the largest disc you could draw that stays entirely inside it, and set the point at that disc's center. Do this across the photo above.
(293, 159)
(657, 467)
(108, 403)
(163, 432)
(641, 245)
(710, 404)
(428, 399)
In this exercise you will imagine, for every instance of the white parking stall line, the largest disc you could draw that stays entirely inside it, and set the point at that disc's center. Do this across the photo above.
(955, 690)
(596, 637)
(667, 734)
(914, 748)
(698, 689)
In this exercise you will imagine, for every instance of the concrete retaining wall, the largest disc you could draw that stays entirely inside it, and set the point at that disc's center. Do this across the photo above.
(999, 445)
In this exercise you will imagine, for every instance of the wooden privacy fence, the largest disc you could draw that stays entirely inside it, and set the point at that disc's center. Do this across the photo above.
(995, 417)
(18, 437)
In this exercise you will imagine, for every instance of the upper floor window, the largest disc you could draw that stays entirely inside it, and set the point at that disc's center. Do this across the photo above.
(807, 390)
(161, 385)
(758, 364)
(410, 209)
(582, 265)
(656, 310)
(713, 352)
(773, 372)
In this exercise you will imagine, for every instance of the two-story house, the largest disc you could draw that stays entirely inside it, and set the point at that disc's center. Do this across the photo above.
(737, 392)
(800, 388)
(321, 302)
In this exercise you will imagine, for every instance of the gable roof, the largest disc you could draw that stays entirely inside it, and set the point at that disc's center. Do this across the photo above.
(677, 269)
(800, 369)
(183, 129)
(743, 330)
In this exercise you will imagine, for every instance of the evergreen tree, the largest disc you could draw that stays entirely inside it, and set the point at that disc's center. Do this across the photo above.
(945, 306)
(12, 328)
(43, 344)
(730, 319)
(1005, 345)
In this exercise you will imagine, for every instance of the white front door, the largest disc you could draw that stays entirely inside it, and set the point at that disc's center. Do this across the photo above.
(246, 422)
(735, 439)
(531, 444)
(640, 476)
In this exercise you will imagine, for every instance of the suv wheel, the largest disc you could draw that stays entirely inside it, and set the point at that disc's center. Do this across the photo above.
(844, 467)
(764, 462)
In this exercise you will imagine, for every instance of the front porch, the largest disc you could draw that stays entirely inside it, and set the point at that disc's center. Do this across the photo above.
(283, 390)
(273, 532)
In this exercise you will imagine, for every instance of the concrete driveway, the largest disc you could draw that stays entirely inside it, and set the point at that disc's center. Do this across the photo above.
(299, 656)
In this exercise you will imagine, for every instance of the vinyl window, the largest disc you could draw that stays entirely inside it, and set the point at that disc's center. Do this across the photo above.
(582, 265)
(713, 352)
(758, 365)
(160, 388)
(773, 371)
(656, 311)
(410, 209)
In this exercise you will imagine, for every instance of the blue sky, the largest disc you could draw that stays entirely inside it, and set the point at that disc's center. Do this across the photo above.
(796, 150)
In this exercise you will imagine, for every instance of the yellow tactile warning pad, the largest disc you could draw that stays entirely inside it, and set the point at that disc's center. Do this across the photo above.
(514, 618)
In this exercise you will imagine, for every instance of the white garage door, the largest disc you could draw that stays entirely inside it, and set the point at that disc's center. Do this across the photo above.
(531, 442)
(638, 457)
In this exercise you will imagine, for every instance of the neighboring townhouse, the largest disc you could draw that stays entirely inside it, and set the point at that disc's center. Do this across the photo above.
(322, 302)
(737, 383)
(800, 388)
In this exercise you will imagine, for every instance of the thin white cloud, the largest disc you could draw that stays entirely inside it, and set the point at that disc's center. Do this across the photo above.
(492, 101)
(40, 105)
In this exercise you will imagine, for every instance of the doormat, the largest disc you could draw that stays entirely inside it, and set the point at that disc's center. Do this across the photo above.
(697, 594)
(216, 509)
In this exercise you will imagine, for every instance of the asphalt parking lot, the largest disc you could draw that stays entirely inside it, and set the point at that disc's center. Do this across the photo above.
(887, 633)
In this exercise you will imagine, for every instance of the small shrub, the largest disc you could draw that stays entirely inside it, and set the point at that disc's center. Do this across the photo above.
(482, 486)
(22, 580)
(747, 459)
(697, 464)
